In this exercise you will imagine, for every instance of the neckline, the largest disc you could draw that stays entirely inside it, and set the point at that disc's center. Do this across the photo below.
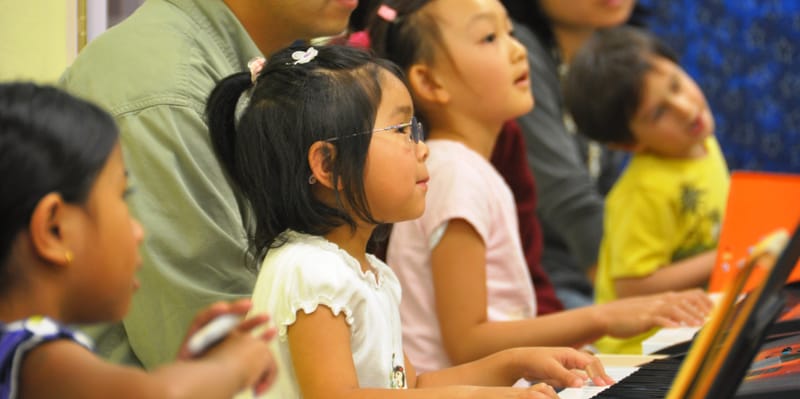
(373, 276)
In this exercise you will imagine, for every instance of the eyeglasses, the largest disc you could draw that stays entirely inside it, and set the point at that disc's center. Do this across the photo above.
(414, 135)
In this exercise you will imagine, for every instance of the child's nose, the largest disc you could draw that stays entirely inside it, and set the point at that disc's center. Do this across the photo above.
(684, 106)
(422, 151)
(518, 50)
(138, 231)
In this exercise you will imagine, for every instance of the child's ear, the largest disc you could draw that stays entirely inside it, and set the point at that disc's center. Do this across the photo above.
(426, 85)
(320, 160)
(47, 230)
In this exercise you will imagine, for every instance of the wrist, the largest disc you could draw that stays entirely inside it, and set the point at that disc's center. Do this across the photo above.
(515, 366)
(600, 318)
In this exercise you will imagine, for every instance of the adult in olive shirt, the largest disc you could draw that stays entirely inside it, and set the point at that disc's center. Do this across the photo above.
(153, 72)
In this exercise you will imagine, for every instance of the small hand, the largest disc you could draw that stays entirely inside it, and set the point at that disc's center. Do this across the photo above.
(635, 315)
(240, 307)
(562, 367)
(240, 348)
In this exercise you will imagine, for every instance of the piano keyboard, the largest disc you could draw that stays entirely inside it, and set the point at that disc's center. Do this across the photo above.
(651, 380)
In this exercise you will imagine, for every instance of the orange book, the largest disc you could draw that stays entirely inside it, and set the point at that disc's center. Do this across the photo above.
(726, 345)
(759, 205)
(720, 356)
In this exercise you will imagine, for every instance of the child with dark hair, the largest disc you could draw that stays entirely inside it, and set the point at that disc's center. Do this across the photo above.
(68, 254)
(467, 290)
(662, 218)
(332, 129)
(510, 159)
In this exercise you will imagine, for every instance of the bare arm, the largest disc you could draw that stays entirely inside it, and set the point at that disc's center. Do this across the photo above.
(503, 368)
(63, 369)
(691, 272)
(320, 346)
(459, 273)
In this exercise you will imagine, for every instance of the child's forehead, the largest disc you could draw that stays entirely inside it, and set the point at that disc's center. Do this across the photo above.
(657, 79)
(660, 65)
(464, 14)
(113, 170)
(395, 96)
(658, 71)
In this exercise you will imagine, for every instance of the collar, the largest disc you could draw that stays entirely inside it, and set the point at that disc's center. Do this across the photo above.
(218, 20)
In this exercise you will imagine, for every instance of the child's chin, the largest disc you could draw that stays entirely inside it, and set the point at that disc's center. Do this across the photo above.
(420, 211)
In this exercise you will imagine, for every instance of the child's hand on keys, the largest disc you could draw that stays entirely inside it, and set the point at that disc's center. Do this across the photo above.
(541, 390)
(562, 367)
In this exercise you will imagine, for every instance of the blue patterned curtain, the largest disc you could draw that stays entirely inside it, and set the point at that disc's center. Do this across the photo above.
(745, 54)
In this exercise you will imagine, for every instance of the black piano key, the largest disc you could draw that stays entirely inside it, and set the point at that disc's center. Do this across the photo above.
(652, 380)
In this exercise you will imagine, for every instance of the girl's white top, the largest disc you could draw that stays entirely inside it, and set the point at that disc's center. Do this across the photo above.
(309, 271)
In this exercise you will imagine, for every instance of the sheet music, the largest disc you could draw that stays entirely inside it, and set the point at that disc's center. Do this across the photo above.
(589, 390)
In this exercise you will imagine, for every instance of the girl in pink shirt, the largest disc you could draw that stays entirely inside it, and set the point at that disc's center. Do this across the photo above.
(467, 288)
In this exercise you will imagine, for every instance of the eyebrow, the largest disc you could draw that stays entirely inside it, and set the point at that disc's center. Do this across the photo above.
(481, 16)
(487, 15)
(403, 110)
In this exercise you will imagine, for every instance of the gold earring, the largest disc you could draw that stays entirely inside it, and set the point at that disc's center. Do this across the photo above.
(68, 257)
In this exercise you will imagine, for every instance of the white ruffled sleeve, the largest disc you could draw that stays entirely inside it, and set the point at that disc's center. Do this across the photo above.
(303, 278)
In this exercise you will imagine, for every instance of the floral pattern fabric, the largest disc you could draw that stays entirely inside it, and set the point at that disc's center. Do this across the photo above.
(744, 54)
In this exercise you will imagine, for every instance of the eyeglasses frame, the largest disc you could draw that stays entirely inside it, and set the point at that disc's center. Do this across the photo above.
(416, 131)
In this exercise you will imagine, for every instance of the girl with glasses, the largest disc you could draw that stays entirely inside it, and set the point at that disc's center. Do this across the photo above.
(324, 150)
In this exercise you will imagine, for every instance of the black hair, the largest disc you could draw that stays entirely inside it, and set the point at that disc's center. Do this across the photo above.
(50, 142)
(361, 15)
(408, 39)
(602, 90)
(531, 14)
(290, 107)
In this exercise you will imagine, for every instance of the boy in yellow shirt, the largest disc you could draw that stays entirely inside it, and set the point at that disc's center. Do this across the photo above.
(662, 217)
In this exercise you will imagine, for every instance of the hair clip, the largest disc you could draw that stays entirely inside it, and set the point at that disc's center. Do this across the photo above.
(302, 57)
(388, 14)
(255, 66)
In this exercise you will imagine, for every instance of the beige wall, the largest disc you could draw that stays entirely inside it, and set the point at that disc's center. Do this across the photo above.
(38, 38)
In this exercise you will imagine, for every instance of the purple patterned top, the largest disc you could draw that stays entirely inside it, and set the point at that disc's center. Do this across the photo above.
(19, 337)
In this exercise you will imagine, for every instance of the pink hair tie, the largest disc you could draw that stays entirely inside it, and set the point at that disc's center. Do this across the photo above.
(255, 66)
(359, 39)
(387, 13)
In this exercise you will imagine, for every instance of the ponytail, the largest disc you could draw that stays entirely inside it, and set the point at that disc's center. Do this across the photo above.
(406, 39)
(221, 116)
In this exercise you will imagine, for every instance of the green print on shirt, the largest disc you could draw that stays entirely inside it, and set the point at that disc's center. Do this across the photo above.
(704, 232)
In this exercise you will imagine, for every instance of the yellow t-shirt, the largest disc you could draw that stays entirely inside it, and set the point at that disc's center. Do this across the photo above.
(660, 211)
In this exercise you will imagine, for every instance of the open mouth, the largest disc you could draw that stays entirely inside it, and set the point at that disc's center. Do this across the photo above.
(523, 79)
(697, 126)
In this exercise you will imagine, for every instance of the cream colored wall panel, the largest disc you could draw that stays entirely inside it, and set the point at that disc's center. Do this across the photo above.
(38, 38)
